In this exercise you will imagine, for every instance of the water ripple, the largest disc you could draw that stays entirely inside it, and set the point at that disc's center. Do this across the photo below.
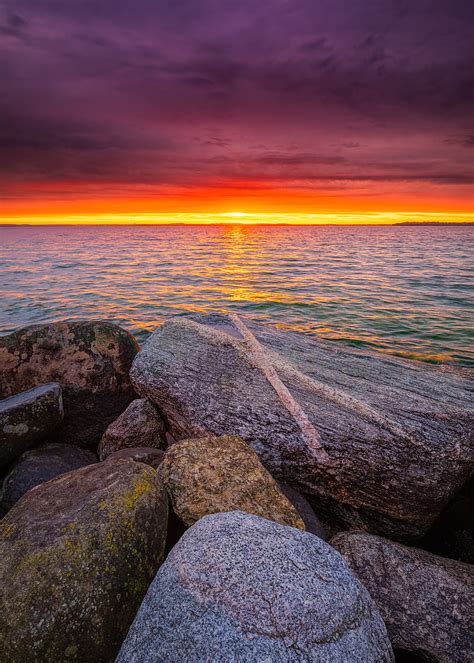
(403, 290)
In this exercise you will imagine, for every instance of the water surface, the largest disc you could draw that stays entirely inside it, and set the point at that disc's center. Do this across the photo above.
(404, 290)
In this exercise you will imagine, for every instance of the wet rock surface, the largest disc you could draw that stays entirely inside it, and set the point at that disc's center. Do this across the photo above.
(139, 426)
(77, 556)
(215, 474)
(39, 465)
(27, 418)
(90, 360)
(378, 442)
(241, 588)
(426, 601)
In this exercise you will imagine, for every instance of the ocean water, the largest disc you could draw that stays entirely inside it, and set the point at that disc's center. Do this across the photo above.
(401, 289)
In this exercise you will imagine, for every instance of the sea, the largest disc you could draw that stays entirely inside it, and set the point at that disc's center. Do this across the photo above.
(404, 290)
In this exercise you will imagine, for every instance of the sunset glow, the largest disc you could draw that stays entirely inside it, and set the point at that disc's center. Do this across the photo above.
(233, 218)
(283, 112)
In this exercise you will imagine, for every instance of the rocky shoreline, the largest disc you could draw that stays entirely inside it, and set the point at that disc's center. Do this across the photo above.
(231, 492)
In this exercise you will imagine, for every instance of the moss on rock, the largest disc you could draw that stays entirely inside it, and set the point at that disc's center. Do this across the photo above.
(78, 554)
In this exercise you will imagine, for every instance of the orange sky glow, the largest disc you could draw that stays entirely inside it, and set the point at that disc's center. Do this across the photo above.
(66, 203)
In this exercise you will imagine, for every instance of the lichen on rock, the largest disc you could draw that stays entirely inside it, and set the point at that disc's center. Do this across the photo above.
(214, 474)
(78, 553)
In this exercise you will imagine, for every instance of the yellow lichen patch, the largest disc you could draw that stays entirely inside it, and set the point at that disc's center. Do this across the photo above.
(6, 529)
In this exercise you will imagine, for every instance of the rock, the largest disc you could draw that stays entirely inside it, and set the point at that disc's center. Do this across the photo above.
(27, 418)
(427, 602)
(78, 553)
(139, 426)
(152, 457)
(214, 474)
(375, 442)
(39, 465)
(91, 361)
(241, 588)
(304, 508)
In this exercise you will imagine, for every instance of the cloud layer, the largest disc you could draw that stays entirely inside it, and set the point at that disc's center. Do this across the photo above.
(366, 98)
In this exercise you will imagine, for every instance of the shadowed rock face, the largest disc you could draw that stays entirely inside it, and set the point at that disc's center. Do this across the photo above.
(377, 442)
(90, 360)
(39, 465)
(215, 474)
(241, 588)
(27, 418)
(78, 553)
(427, 602)
(139, 426)
(305, 510)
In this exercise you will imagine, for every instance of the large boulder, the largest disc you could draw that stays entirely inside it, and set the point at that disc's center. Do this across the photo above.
(77, 555)
(139, 426)
(91, 361)
(241, 588)
(427, 602)
(27, 418)
(39, 465)
(213, 474)
(377, 442)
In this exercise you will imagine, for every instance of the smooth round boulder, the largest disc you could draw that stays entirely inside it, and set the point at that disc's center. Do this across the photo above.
(237, 587)
(139, 426)
(91, 360)
(77, 555)
(213, 474)
(426, 601)
(39, 465)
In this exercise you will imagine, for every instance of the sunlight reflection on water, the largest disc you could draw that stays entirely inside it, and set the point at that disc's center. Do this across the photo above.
(404, 290)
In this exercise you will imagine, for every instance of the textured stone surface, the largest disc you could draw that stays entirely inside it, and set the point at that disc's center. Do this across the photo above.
(91, 361)
(213, 474)
(139, 426)
(241, 588)
(382, 443)
(77, 555)
(151, 457)
(39, 465)
(427, 602)
(304, 508)
(27, 418)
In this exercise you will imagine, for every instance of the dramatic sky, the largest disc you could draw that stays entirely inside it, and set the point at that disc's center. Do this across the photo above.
(297, 106)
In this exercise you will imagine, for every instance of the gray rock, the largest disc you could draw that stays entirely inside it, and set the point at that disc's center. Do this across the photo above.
(139, 426)
(91, 360)
(77, 555)
(241, 588)
(39, 465)
(427, 602)
(311, 521)
(152, 457)
(27, 418)
(377, 442)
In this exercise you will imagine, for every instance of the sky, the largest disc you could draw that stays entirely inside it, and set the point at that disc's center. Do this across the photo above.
(287, 109)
